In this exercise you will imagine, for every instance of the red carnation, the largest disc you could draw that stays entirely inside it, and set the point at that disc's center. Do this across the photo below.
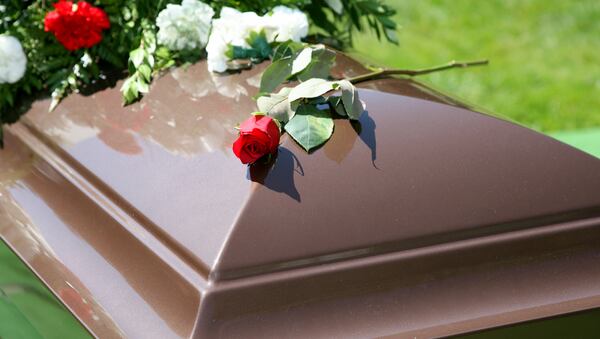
(76, 25)
(259, 136)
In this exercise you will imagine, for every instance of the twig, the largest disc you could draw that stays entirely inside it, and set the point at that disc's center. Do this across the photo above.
(383, 72)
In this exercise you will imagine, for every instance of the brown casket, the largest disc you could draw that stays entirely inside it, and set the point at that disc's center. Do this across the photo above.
(425, 219)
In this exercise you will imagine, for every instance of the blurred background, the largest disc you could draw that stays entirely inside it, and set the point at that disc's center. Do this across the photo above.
(544, 57)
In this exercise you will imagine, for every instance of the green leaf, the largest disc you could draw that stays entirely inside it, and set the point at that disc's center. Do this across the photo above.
(336, 103)
(352, 104)
(310, 127)
(302, 60)
(237, 52)
(163, 53)
(312, 88)
(142, 86)
(136, 57)
(287, 49)
(149, 41)
(150, 59)
(276, 105)
(259, 50)
(9, 99)
(258, 41)
(336, 5)
(391, 35)
(130, 90)
(321, 64)
(146, 72)
(275, 74)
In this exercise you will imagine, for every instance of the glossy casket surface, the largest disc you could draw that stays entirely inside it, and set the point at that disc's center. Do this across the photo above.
(427, 218)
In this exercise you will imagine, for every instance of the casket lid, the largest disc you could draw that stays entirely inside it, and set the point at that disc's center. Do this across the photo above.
(418, 170)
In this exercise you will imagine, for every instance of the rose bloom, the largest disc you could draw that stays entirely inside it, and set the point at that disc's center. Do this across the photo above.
(76, 25)
(259, 136)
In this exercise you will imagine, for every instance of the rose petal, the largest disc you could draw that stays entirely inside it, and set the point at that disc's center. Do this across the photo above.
(274, 134)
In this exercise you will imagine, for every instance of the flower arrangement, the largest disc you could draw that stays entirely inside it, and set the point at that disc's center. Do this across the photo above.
(63, 46)
(57, 47)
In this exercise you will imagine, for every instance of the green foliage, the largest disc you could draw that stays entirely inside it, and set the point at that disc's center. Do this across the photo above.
(302, 60)
(259, 50)
(278, 72)
(310, 127)
(311, 62)
(312, 88)
(303, 110)
(129, 46)
(277, 105)
(141, 64)
(350, 100)
(286, 49)
(322, 60)
(280, 69)
(53, 69)
(338, 29)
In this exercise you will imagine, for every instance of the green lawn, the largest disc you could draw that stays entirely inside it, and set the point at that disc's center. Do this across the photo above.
(27, 309)
(544, 56)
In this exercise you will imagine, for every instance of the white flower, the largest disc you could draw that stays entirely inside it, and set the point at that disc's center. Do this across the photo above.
(288, 24)
(13, 61)
(184, 26)
(86, 60)
(233, 27)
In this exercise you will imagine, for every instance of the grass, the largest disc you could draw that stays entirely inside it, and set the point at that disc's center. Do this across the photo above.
(27, 308)
(544, 55)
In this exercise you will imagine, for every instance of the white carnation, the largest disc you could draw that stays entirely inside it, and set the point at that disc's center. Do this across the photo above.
(13, 61)
(233, 27)
(185, 26)
(288, 24)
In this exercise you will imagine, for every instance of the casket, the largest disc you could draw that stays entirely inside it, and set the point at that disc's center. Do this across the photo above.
(426, 218)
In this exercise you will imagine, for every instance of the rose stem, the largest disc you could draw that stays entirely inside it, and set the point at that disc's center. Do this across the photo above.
(382, 72)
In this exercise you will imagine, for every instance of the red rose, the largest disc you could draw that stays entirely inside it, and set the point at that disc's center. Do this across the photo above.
(76, 25)
(259, 136)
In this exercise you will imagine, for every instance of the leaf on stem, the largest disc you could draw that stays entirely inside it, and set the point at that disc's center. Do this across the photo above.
(275, 74)
(310, 127)
(352, 104)
(336, 104)
(136, 57)
(312, 88)
(321, 63)
(302, 60)
(287, 49)
(276, 105)
(336, 5)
